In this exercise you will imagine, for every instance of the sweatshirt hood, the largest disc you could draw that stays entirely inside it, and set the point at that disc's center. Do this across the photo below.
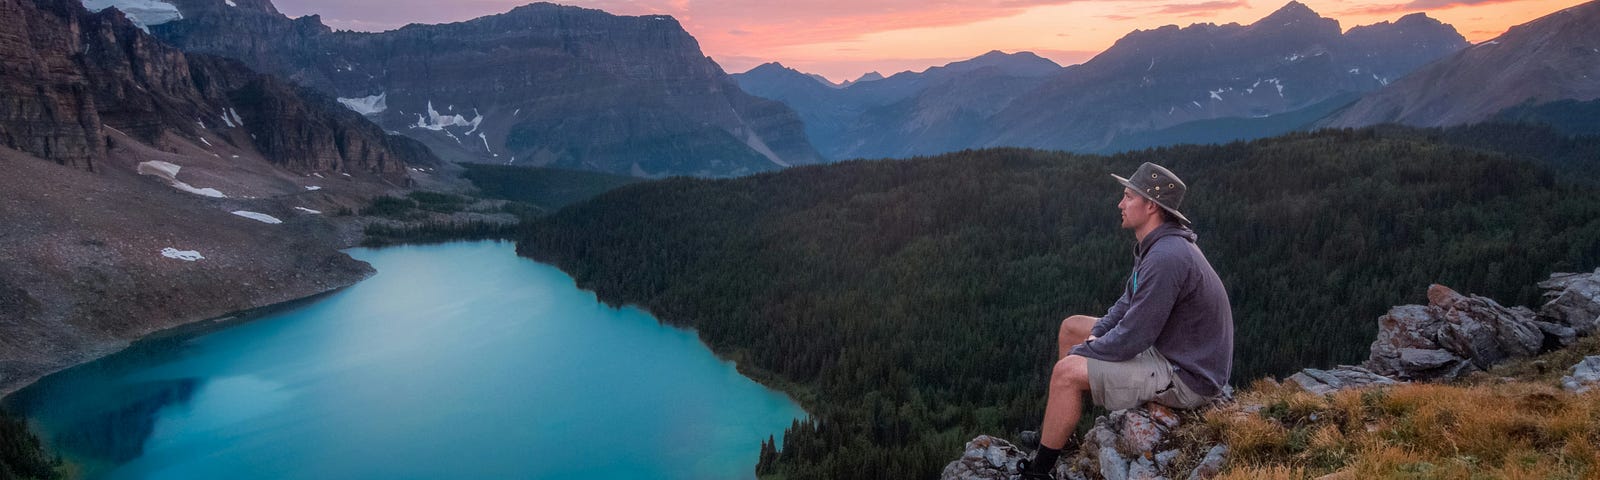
(1167, 229)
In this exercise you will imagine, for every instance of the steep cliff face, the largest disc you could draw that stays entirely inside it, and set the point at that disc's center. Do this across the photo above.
(540, 85)
(70, 74)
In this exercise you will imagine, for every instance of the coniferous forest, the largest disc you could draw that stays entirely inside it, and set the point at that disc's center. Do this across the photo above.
(911, 305)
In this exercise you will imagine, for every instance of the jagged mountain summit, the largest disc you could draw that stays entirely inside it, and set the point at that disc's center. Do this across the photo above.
(542, 85)
(1157, 79)
(1553, 58)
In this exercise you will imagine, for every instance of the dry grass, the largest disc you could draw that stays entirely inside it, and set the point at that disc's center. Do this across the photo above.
(1486, 427)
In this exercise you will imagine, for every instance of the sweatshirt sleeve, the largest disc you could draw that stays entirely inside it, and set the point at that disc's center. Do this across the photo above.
(1161, 278)
(1112, 316)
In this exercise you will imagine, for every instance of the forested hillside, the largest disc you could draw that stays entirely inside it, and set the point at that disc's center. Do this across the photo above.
(911, 305)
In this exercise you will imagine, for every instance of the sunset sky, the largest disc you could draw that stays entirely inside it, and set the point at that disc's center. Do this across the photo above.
(842, 39)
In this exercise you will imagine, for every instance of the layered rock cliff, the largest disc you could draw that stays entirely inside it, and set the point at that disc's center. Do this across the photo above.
(70, 74)
(542, 85)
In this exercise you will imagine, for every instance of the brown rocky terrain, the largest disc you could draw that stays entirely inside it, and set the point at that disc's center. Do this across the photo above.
(145, 188)
(1555, 57)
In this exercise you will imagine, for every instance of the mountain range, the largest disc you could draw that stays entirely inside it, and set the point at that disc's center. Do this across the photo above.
(540, 85)
(1553, 58)
(1287, 63)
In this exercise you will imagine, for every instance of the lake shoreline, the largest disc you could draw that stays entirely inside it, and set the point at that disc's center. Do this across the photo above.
(740, 453)
(204, 324)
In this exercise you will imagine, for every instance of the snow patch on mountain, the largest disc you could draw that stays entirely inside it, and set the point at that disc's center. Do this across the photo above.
(141, 12)
(169, 172)
(368, 105)
(259, 217)
(185, 255)
(437, 122)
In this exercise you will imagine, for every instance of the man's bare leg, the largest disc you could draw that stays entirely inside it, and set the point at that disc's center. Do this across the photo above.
(1069, 381)
(1074, 330)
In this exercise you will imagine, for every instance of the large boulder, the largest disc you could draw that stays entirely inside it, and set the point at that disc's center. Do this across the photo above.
(1574, 302)
(1585, 375)
(1453, 335)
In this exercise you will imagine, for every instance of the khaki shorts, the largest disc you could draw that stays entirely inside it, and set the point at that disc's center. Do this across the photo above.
(1143, 378)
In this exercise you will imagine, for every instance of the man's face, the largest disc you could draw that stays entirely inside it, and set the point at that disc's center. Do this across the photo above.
(1135, 209)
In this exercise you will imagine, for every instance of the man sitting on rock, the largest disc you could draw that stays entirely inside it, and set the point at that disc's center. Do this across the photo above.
(1169, 339)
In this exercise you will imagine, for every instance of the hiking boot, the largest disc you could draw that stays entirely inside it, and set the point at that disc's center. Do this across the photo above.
(1024, 474)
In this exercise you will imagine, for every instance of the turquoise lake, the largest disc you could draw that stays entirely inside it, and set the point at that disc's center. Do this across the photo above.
(459, 360)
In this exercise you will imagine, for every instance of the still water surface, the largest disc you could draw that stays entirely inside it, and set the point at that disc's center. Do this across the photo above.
(455, 361)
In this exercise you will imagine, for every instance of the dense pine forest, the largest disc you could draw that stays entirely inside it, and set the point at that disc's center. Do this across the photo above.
(910, 305)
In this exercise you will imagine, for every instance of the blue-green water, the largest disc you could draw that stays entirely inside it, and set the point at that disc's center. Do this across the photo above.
(454, 361)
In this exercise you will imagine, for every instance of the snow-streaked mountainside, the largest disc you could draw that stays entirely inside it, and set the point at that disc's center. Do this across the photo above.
(1192, 83)
(541, 85)
(1553, 58)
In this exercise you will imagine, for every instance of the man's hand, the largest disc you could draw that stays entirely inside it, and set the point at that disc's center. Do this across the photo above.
(1090, 339)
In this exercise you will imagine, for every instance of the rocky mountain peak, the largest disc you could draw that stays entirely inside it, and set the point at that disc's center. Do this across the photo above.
(869, 77)
(1297, 20)
(1020, 64)
(1290, 13)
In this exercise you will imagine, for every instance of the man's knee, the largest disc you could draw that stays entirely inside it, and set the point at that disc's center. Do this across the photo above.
(1071, 371)
(1077, 326)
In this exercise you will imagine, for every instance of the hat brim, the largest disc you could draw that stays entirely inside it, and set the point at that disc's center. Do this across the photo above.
(1175, 214)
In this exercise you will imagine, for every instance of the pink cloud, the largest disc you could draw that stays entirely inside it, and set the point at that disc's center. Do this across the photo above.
(1204, 8)
(1418, 6)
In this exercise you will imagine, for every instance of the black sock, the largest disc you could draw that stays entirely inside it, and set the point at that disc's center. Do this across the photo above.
(1043, 460)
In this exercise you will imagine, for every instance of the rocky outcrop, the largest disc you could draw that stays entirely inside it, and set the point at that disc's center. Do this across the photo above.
(542, 85)
(1125, 444)
(1585, 375)
(1574, 304)
(1456, 334)
(1451, 336)
(1323, 382)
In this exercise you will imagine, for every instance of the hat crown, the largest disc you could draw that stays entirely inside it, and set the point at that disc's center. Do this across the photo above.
(1159, 184)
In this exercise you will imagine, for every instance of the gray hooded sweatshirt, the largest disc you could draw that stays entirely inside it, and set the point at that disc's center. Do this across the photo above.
(1175, 302)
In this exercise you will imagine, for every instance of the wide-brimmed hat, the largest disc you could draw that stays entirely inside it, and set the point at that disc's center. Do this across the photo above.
(1159, 185)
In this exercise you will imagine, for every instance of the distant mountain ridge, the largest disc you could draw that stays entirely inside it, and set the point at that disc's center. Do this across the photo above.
(543, 85)
(1553, 58)
(907, 113)
(1292, 62)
